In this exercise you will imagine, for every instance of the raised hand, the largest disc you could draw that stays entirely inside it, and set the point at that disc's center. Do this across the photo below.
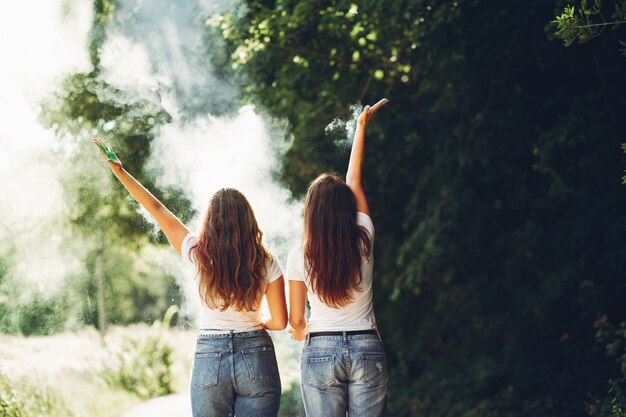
(368, 112)
(174, 229)
(107, 152)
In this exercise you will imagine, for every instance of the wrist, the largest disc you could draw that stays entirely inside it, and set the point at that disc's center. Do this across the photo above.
(115, 166)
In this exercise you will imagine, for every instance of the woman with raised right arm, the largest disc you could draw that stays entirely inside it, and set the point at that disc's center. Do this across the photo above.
(343, 366)
(235, 370)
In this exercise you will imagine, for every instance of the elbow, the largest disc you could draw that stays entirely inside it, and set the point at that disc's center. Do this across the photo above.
(281, 322)
(297, 323)
(275, 324)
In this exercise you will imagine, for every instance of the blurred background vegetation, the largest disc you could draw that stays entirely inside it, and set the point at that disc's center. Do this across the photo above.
(494, 180)
(493, 176)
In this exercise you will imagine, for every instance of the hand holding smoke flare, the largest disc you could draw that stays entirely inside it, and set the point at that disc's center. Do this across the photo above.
(107, 152)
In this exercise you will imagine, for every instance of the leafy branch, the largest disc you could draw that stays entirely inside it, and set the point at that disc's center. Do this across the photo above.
(587, 22)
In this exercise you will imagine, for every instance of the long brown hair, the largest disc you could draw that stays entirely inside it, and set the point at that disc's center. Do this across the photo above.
(229, 255)
(333, 242)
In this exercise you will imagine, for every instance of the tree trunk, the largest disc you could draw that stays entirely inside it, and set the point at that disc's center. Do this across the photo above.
(99, 271)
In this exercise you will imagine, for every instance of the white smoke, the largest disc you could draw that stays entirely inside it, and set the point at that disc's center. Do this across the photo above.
(343, 129)
(40, 42)
(214, 152)
(151, 47)
(161, 46)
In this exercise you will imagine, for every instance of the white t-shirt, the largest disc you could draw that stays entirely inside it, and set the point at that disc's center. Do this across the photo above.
(357, 315)
(229, 319)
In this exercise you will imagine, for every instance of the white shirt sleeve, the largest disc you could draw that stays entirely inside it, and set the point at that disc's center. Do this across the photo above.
(365, 221)
(273, 270)
(190, 241)
(295, 265)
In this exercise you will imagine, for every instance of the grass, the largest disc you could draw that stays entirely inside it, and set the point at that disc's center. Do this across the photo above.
(67, 366)
(18, 399)
(66, 370)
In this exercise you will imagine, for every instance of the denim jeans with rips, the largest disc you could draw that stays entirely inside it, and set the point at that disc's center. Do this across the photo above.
(344, 374)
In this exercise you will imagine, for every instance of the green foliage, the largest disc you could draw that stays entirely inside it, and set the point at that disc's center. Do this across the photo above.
(137, 290)
(7, 293)
(586, 21)
(22, 400)
(142, 366)
(614, 340)
(27, 310)
(291, 404)
(43, 315)
(492, 178)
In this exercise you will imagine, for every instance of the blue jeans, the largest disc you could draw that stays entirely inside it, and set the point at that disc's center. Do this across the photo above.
(344, 374)
(235, 373)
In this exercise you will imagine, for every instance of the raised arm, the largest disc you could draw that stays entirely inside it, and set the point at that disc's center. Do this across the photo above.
(353, 176)
(174, 229)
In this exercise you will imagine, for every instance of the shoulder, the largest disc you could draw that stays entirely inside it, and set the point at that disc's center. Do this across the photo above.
(296, 252)
(365, 221)
(187, 248)
(273, 271)
(295, 264)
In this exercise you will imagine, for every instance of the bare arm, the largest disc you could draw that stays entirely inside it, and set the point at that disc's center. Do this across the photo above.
(297, 307)
(275, 295)
(172, 227)
(353, 176)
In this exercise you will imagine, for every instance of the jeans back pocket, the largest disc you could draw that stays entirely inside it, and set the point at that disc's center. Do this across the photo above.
(374, 370)
(206, 368)
(261, 363)
(319, 372)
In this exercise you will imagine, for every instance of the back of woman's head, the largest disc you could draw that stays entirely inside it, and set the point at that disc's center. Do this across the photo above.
(229, 255)
(333, 242)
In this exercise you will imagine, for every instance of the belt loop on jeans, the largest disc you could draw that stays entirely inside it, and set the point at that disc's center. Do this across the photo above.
(345, 338)
(308, 338)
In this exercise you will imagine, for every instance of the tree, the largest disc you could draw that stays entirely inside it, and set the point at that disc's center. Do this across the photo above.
(492, 176)
(107, 222)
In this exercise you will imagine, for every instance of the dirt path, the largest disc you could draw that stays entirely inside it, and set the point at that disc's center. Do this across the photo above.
(175, 405)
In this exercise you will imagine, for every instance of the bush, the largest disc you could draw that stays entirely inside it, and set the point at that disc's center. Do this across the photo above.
(142, 366)
(22, 400)
(41, 315)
